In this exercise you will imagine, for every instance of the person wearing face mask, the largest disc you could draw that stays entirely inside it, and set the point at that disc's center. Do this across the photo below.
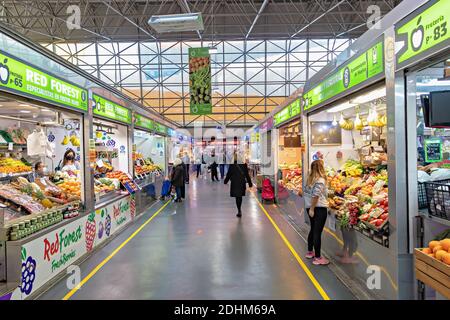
(69, 164)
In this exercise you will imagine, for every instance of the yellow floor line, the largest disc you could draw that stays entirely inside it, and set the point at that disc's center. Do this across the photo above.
(101, 264)
(294, 253)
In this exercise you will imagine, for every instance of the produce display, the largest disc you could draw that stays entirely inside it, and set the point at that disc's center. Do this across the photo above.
(144, 166)
(359, 196)
(10, 166)
(292, 177)
(439, 250)
(104, 185)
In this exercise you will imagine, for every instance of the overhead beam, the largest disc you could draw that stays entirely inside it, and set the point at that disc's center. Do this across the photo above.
(263, 6)
(318, 18)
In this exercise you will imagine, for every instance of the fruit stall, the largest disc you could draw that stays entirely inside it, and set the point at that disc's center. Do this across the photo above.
(425, 73)
(149, 160)
(345, 117)
(54, 208)
(289, 164)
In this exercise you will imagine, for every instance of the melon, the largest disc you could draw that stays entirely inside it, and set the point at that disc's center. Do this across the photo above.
(446, 258)
(440, 254)
(445, 244)
(433, 244)
(436, 249)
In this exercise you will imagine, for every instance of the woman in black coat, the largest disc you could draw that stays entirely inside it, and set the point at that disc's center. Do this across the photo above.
(178, 178)
(238, 174)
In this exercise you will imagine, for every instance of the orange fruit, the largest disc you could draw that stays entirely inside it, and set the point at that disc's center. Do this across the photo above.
(436, 249)
(440, 254)
(431, 255)
(446, 258)
(445, 244)
(433, 244)
(427, 250)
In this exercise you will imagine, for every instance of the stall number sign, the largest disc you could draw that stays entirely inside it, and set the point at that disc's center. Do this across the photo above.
(365, 66)
(433, 151)
(144, 122)
(424, 30)
(287, 113)
(111, 110)
(18, 77)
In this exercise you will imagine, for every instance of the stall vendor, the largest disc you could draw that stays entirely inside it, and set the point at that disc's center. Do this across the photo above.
(70, 165)
(39, 171)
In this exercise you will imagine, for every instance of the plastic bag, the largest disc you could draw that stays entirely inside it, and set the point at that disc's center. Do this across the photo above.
(440, 174)
(422, 176)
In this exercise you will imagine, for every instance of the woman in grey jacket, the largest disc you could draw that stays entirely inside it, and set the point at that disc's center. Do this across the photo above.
(316, 203)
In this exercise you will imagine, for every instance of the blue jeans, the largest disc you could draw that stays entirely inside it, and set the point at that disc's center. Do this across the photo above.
(178, 191)
(222, 170)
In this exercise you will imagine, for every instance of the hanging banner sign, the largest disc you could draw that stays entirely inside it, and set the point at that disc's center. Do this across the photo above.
(288, 112)
(143, 122)
(423, 30)
(200, 81)
(266, 125)
(111, 110)
(20, 78)
(364, 67)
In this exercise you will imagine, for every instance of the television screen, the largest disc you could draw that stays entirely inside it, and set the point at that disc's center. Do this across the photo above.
(440, 109)
(323, 133)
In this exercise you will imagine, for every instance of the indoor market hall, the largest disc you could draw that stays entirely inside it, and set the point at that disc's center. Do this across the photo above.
(199, 249)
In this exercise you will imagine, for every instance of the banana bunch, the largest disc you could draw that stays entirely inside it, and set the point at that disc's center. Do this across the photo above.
(347, 124)
(75, 141)
(65, 140)
(381, 121)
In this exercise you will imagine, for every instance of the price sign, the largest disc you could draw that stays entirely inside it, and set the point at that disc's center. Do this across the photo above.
(433, 150)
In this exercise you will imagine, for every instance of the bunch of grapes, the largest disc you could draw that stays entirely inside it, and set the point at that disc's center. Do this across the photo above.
(28, 275)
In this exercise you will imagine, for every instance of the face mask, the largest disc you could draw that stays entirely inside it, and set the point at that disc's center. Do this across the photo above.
(45, 170)
(70, 157)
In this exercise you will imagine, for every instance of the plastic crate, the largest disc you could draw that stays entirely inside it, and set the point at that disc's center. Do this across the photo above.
(422, 195)
(438, 197)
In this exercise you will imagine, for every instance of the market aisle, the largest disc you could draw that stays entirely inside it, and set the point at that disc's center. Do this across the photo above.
(199, 250)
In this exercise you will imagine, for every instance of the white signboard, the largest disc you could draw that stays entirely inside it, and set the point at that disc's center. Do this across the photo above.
(45, 257)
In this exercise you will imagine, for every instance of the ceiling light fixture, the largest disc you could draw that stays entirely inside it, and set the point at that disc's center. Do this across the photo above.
(370, 96)
(24, 105)
(341, 107)
(25, 111)
(177, 22)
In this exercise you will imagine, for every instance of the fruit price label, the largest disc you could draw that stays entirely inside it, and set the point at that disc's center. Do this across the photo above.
(20, 78)
(423, 30)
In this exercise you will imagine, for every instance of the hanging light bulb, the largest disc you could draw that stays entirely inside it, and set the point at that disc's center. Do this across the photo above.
(334, 123)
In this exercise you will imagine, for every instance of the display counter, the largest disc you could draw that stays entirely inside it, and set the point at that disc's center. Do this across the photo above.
(46, 254)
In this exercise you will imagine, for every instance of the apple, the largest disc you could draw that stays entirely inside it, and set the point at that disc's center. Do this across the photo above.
(4, 72)
(417, 36)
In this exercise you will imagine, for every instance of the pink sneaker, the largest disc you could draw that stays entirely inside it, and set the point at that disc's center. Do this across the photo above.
(320, 261)
(310, 255)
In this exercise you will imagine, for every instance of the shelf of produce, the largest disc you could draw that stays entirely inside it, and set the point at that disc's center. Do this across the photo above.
(12, 176)
(432, 272)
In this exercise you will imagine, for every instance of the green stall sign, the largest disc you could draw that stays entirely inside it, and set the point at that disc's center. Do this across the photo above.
(160, 128)
(365, 66)
(110, 110)
(423, 31)
(289, 112)
(143, 122)
(433, 150)
(20, 78)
